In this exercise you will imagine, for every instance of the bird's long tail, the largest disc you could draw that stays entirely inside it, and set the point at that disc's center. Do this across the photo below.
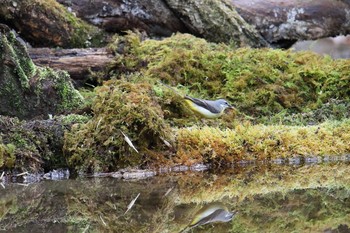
(172, 88)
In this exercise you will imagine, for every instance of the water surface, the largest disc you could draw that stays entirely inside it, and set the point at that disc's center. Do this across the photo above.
(254, 198)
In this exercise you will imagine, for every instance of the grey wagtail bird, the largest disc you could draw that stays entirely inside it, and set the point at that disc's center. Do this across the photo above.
(205, 108)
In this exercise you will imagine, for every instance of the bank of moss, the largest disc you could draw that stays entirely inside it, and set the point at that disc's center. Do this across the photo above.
(262, 83)
(271, 89)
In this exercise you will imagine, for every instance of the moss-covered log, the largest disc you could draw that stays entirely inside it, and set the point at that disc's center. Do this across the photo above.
(47, 23)
(27, 91)
(278, 22)
(215, 21)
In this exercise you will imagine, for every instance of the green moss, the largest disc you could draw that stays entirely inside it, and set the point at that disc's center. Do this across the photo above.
(23, 66)
(119, 107)
(84, 35)
(75, 118)
(68, 97)
(7, 156)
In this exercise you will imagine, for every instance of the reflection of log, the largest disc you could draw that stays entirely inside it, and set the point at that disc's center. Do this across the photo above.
(281, 21)
(77, 62)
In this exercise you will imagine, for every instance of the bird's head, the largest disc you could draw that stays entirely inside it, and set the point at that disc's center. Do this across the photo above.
(224, 104)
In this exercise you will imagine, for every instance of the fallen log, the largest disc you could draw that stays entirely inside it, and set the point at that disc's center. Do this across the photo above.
(279, 22)
(79, 63)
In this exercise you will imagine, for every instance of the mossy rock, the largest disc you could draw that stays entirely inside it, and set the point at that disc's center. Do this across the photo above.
(27, 91)
(121, 109)
(34, 146)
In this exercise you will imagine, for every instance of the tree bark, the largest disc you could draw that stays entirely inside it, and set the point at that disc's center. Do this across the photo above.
(283, 22)
(79, 63)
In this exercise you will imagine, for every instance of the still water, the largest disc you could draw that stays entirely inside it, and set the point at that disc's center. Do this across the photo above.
(254, 198)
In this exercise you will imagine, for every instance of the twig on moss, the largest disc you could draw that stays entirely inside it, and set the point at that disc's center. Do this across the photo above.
(127, 139)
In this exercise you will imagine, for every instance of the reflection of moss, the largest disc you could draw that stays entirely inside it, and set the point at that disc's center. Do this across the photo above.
(268, 198)
(119, 107)
(306, 210)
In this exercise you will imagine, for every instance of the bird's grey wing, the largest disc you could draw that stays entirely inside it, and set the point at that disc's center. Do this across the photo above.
(207, 104)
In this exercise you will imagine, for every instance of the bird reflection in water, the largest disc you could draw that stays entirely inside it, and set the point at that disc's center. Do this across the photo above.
(214, 212)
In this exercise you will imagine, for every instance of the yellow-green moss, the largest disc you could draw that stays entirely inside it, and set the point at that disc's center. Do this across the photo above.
(7, 156)
(119, 107)
(250, 142)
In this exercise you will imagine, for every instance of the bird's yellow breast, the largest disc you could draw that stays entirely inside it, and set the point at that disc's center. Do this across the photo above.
(202, 111)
